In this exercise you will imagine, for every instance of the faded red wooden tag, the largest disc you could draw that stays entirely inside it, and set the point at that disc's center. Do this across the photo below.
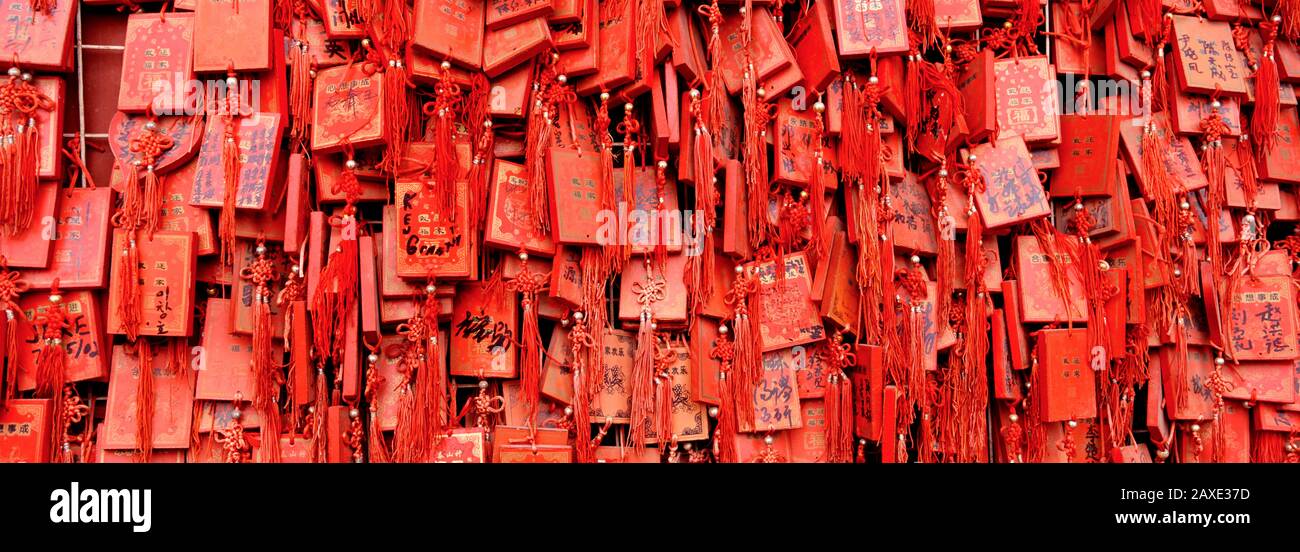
(25, 426)
(83, 338)
(168, 264)
(31, 247)
(49, 125)
(1066, 375)
(868, 382)
(1040, 301)
(512, 220)
(612, 397)
(259, 159)
(1262, 320)
(1089, 147)
(232, 34)
(156, 61)
(80, 241)
(185, 132)
(483, 331)
(870, 25)
(348, 108)
(428, 242)
(913, 225)
(787, 315)
(576, 216)
(509, 46)
(1012, 191)
(689, 420)
(173, 396)
(225, 361)
(1206, 59)
(38, 40)
(1025, 88)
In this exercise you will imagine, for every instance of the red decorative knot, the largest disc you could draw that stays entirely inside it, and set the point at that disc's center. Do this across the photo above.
(447, 98)
(19, 95)
(724, 351)
(150, 142)
(743, 286)
(1067, 441)
(579, 338)
(913, 281)
(1241, 41)
(528, 283)
(485, 405)
(769, 455)
(349, 186)
(653, 290)
(53, 321)
(712, 13)
(11, 286)
(356, 434)
(839, 354)
(261, 272)
(1214, 127)
(234, 445)
(72, 412)
(1082, 222)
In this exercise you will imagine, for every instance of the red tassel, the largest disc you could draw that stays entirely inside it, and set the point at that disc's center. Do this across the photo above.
(301, 84)
(19, 150)
(839, 401)
(663, 388)
(1012, 436)
(129, 307)
(724, 437)
(921, 16)
(1264, 120)
(748, 367)
(946, 261)
(52, 361)
(266, 368)
(580, 345)
(337, 291)
(11, 286)
(144, 399)
(476, 110)
(758, 113)
(976, 338)
(376, 446)
(643, 378)
(529, 284)
(443, 118)
(715, 89)
(231, 167)
(612, 253)
(701, 266)
(1268, 447)
(318, 412)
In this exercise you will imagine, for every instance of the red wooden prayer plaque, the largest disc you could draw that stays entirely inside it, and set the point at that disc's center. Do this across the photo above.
(156, 61)
(259, 156)
(786, 313)
(173, 396)
(1066, 375)
(512, 222)
(428, 242)
(484, 328)
(166, 285)
(348, 108)
(865, 26)
(83, 338)
(77, 257)
(25, 426)
(1012, 191)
